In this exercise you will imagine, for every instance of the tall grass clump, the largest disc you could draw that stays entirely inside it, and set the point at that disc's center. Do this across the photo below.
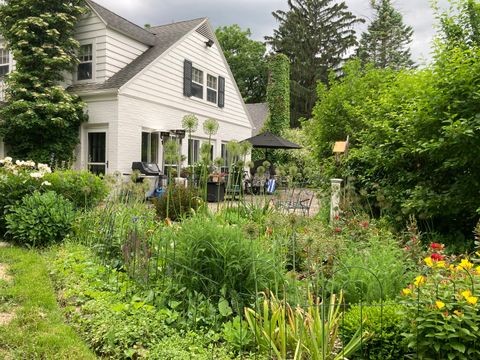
(212, 257)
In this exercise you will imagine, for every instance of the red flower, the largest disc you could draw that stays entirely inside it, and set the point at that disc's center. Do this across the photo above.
(338, 230)
(337, 217)
(407, 248)
(364, 224)
(436, 246)
(437, 257)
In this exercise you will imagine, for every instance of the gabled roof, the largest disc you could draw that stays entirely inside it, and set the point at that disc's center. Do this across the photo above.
(122, 25)
(165, 36)
(258, 113)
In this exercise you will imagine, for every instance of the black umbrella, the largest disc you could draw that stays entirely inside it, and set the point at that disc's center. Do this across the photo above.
(267, 140)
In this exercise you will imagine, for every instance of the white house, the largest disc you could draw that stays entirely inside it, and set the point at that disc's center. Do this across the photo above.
(139, 83)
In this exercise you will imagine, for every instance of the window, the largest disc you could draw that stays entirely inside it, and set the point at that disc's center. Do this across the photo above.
(193, 151)
(211, 89)
(4, 62)
(197, 83)
(225, 158)
(150, 143)
(85, 68)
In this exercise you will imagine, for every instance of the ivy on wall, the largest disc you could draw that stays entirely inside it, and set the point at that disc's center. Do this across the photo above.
(278, 94)
(41, 120)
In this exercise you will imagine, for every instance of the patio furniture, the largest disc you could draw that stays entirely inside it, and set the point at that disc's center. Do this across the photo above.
(215, 191)
(293, 200)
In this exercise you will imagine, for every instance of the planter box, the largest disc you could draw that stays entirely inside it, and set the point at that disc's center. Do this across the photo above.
(215, 191)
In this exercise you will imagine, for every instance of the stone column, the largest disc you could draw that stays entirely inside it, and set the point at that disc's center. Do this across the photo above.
(335, 201)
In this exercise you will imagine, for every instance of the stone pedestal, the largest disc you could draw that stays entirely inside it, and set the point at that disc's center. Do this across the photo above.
(336, 197)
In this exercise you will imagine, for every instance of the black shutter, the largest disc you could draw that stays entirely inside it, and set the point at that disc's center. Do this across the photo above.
(221, 92)
(187, 78)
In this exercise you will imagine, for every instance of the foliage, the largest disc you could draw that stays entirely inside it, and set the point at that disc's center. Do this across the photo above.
(326, 30)
(441, 314)
(84, 189)
(38, 330)
(40, 219)
(107, 228)
(237, 334)
(213, 258)
(383, 321)
(418, 132)
(41, 120)
(183, 202)
(278, 94)
(385, 43)
(372, 267)
(301, 333)
(246, 59)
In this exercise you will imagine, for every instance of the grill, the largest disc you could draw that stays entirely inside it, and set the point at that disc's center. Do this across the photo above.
(146, 168)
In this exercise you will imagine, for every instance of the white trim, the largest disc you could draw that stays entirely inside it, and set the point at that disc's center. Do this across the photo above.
(95, 128)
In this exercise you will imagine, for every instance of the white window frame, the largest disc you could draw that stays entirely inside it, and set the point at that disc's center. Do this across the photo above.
(8, 64)
(212, 88)
(196, 82)
(93, 78)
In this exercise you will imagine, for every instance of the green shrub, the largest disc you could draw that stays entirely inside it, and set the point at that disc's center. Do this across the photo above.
(210, 257)
(372, 266)
(383, 320)
(82, 188)
(177, 202)
(40, 219)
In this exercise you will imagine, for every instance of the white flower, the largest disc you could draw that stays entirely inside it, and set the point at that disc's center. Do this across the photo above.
(36, 175)
(7, 160)
(44, 168)
(46, 183)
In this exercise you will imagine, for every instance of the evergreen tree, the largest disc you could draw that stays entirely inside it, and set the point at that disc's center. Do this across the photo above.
(316, 36)
(385, 43)
(41, 119)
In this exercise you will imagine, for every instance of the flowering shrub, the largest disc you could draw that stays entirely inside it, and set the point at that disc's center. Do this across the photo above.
(441, 316)
(20, 178)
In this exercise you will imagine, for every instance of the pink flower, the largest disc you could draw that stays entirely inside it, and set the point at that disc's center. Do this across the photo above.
(407, 248)
(437, 257)
(436, 246)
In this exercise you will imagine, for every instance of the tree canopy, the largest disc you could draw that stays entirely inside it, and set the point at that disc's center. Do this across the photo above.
(246, 58)
(40, 120)
(316, 36)
(386, 41)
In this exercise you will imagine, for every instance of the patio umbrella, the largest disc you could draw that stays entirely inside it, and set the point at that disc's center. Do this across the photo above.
(267, 140)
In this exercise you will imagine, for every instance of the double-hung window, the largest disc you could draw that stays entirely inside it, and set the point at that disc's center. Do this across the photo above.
(212, 87)
(85, 67)
(197, 83)
(150, 142)
(4, 62)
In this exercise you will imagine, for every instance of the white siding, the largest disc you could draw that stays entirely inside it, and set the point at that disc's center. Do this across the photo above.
(162, 84)
(92, 30)
(136, 114)
(103, 115)
(121, 50)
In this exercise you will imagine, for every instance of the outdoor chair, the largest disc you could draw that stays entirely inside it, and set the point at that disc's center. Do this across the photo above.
(293, 200)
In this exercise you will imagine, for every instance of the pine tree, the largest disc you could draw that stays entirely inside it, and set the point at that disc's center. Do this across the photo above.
(385, 43)
(316, 36)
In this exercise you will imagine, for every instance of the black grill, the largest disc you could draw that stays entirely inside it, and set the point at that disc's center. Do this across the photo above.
(146, 168)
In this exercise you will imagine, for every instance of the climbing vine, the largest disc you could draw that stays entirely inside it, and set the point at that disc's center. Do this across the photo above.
(40, 119)
(278, 94)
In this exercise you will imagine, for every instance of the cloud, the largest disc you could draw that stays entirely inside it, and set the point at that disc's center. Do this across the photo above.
(256, 15)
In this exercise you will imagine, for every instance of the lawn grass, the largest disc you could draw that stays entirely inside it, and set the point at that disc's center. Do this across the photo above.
(38, 330)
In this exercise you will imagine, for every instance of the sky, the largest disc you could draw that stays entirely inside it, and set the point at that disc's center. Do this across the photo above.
(256, 15)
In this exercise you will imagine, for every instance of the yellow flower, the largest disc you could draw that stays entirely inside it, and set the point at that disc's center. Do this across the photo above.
(472, 300)
(440, 264)
(406, 291)
(419, 280)
(465, 265)
(428, 261)
(477, 269)
(452, 267)
(466, 293)
(440, 304)
(458, 313)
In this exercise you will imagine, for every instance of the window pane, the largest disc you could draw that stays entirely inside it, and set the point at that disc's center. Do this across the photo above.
(3, 70)
(197, 90)
(154, 148)
(197, 76)
(4, 57)
(145, 139)
(212, 96)
(96, 147)
(86, 53)
(84, 71)
(212, 82)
